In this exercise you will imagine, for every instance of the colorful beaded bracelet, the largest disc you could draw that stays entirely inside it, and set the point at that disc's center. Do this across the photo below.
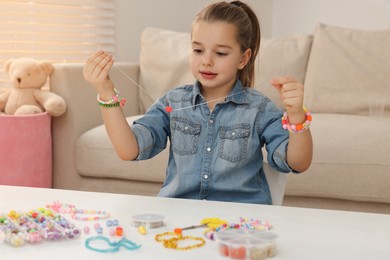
(297, 128)
(115, 101)
(94, 215)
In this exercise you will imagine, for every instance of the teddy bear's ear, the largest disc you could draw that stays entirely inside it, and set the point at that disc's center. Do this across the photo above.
(47, 67)
(7, 65)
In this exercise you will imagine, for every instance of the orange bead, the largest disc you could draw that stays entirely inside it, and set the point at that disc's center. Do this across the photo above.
(119, 231)
(178, 231)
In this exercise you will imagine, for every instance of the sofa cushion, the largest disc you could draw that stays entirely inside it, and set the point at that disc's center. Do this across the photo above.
(164, 63)
(96, 157)
(348, 69)
(286, 56)
(351, 160)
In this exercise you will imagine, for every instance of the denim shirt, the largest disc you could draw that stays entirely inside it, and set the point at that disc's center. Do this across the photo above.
(214, 155)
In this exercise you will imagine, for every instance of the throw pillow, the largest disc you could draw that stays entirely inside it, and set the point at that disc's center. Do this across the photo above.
(287, 56)
(164, 63)
(348, 70)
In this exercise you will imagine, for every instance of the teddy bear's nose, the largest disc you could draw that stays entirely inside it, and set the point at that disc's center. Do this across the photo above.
(19, 80)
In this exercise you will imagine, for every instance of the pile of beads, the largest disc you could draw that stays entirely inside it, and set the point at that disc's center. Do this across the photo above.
(246, 224)
(35, 226)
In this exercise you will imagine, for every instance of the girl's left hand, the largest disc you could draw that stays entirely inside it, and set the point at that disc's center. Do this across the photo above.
(291, 94)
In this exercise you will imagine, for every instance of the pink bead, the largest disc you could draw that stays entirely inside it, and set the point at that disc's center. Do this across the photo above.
(86, 230)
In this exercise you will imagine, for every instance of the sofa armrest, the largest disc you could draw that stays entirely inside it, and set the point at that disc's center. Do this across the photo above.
(83, 113)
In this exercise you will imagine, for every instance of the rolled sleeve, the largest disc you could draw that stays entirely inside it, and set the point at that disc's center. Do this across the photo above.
(279, 158)
(144, 140)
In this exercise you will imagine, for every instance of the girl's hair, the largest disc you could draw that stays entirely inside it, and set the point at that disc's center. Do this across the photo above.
(245, 20)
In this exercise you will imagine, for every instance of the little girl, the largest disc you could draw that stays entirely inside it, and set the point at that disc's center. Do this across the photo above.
(218, 126)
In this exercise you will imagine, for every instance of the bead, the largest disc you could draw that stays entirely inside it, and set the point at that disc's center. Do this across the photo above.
(86, 230)
(178, 231)
(119, 231)
(99, 230)
(297, 128)
(142, 230)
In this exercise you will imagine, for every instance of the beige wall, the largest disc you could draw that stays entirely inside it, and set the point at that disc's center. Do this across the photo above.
(277, 17)
(134, 15)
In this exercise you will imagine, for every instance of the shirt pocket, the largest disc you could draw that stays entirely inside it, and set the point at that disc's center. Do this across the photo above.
(234, 142)
(185, 136)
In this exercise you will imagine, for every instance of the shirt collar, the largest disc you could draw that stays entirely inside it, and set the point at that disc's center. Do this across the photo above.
(237, 95)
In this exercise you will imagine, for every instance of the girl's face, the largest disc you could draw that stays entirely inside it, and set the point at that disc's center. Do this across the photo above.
(216, 55)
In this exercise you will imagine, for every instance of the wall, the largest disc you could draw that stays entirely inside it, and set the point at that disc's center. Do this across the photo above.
(301, 16)
(135, 15)
(277, 17)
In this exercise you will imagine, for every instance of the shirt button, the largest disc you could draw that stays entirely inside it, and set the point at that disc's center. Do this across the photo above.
(233, 134)
(208, 149)
(205, 176)
(211, 121)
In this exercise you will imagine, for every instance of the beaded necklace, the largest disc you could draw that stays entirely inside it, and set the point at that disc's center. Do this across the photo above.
(112, 246)
(174, 238)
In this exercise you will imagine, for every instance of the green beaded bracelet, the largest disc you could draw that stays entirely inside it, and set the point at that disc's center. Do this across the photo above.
(109, 105)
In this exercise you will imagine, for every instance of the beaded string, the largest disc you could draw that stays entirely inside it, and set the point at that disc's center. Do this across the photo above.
(112, 246)
(75, 213)
(169, 108)
(172, 239)
(96, 215)
(244, 223)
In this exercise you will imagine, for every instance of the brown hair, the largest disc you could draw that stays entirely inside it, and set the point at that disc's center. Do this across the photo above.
(245, 20)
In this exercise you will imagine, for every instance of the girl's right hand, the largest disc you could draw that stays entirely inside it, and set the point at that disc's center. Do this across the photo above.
(96, 71)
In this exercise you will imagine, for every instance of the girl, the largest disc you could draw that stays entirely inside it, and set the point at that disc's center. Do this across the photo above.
(218, 126)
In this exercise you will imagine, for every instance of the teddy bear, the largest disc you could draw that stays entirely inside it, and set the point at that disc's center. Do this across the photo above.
(27, 95)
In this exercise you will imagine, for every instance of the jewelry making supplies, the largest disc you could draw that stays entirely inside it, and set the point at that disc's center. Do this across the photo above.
(102, 244)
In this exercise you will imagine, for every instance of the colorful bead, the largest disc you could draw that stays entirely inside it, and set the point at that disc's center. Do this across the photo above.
(142, 230)
(115, 101)
(119, 231)
(297, 128)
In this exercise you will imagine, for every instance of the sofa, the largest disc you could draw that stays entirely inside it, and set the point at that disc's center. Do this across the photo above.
(345, 72)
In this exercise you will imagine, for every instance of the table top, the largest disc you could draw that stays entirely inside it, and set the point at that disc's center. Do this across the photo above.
(301, 233)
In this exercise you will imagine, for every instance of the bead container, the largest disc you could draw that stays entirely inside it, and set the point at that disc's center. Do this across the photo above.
(246, 244)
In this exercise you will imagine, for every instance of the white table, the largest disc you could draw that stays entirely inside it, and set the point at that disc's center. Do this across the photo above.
(302, 233)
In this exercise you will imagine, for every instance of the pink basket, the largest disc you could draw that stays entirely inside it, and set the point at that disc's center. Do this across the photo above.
(26, 150)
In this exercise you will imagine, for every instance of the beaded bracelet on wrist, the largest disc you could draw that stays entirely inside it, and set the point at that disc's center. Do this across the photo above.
(299, 128)
(115, 101)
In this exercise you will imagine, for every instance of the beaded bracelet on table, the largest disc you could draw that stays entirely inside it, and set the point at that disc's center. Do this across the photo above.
(115, 101)
(244, 224)
(297, 128)
(171, 240)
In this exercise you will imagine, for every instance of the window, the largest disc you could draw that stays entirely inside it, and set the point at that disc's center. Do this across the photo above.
(55, 30)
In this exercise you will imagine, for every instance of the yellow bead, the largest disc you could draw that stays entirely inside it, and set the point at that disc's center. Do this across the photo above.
(142, 230)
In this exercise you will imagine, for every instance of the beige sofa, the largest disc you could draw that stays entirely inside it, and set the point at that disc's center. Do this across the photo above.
(343, 70)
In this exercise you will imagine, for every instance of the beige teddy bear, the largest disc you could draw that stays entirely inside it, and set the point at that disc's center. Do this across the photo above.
(26, 95)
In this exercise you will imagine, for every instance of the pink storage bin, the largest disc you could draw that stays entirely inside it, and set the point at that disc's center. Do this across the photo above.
(26, 150)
